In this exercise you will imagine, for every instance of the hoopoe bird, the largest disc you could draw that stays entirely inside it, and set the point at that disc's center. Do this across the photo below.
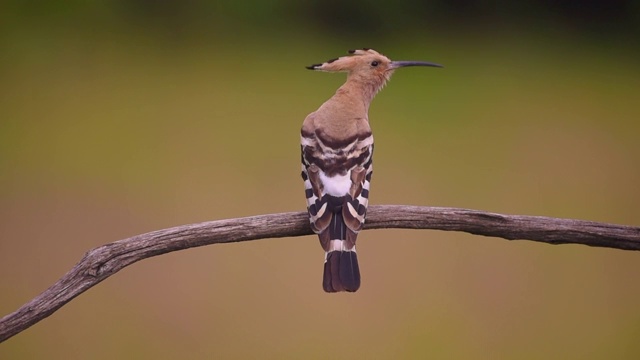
(337, 150)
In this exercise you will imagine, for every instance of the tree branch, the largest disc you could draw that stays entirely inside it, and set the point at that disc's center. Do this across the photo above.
(104, 261)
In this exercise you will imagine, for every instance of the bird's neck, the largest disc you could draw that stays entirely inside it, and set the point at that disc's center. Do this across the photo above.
(361, 89)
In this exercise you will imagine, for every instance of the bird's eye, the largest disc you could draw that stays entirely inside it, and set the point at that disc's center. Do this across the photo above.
(374, 63)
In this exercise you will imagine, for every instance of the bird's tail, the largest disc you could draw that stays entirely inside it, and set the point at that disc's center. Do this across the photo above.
(341, 271)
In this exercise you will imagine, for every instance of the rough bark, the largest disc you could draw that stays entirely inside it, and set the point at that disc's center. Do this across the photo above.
(104, 261)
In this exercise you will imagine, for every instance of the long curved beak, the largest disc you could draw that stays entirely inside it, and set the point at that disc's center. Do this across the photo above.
(399, 64)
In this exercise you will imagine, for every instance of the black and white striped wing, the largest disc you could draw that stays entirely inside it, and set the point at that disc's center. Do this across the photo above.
(337, 182)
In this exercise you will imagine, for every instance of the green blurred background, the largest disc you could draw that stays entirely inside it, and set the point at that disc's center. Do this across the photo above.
(122, 117)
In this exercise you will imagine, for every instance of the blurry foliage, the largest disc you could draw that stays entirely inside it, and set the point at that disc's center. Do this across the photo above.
(337, 17)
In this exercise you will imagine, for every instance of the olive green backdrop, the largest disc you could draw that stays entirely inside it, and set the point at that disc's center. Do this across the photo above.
(121, 118)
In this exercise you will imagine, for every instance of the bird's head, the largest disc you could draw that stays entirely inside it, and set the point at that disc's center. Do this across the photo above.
(367, 65)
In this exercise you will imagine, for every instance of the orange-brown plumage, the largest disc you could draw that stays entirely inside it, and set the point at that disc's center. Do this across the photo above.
(337, 150)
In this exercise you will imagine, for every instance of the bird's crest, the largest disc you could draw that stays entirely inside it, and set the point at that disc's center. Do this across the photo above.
(355, 60)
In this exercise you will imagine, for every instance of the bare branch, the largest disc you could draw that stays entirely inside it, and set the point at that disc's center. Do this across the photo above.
(104, 261)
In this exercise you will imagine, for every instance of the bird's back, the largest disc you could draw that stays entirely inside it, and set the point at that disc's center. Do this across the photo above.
(337, 147)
